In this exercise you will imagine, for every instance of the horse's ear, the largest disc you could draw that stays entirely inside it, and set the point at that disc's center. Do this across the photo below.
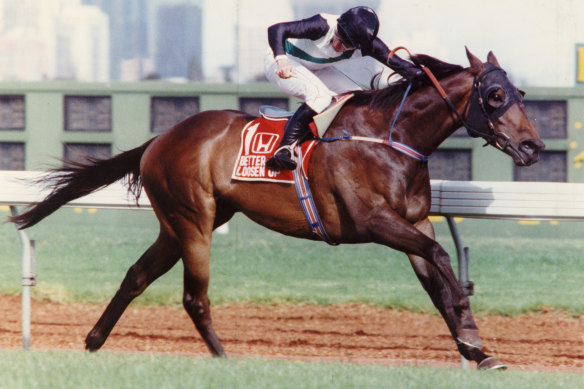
(492, 59)
(476, 65)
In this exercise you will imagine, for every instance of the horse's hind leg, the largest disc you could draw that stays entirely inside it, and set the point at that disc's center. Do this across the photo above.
(459, 319)
(157, 260)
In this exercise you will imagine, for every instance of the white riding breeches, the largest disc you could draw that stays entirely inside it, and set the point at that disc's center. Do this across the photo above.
(315, 87)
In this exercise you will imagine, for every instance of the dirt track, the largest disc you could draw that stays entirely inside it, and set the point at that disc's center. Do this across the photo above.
(346, 333)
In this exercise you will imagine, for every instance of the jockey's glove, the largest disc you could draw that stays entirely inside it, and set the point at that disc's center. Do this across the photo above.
(406, 69)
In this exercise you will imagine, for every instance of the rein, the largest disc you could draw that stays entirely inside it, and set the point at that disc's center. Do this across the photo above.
(398, 146)
(491, 135)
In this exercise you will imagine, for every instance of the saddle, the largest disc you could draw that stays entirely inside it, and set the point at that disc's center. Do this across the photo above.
(261, 136)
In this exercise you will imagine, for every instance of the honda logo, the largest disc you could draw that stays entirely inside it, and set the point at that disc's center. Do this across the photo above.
(263, 143)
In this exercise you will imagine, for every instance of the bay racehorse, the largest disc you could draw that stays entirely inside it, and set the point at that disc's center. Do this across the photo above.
(364, 191)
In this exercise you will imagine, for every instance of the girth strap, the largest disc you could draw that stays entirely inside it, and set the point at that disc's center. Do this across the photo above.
(307, 202)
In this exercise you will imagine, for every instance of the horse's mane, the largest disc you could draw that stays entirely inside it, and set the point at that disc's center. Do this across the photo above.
(391, 95)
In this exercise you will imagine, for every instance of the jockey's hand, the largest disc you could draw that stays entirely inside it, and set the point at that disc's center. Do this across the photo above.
(411, 73)
(285, 69)
(406, 69)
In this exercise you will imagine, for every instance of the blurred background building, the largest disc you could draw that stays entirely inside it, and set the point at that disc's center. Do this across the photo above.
(220, 46)
(225, 40)
(52, 40)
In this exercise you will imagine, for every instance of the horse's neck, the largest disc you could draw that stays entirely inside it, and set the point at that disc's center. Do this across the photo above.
(427, 127)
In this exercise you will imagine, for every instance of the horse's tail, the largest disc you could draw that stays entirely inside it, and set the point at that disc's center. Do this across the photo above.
(77, 179)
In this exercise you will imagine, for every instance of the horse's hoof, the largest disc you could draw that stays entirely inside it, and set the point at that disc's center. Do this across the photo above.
(91, 348)
(470, 338)
(491, 363)
(94, 341)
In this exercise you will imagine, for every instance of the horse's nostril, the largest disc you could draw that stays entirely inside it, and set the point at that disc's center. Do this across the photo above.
(531, 146)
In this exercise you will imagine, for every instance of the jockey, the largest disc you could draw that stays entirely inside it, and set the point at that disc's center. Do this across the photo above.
(301, 63)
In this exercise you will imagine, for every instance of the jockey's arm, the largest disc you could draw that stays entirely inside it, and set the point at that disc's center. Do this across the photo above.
(312, 28)
(380, 52)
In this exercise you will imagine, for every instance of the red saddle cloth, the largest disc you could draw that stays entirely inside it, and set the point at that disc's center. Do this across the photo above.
(259, 140)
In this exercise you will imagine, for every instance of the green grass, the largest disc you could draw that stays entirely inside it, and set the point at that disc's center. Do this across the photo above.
(83, 258)
(35, 369)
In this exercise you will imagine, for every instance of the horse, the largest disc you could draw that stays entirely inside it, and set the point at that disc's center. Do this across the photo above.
(363, 191)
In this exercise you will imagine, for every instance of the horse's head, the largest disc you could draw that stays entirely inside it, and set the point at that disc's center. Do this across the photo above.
(496, 113)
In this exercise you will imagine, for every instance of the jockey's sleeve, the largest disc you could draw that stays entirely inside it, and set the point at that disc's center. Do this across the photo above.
(312, 28)
(380, 52)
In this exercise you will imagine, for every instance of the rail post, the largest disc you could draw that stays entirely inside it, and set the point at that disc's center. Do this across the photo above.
(463, 270)
(28, 281)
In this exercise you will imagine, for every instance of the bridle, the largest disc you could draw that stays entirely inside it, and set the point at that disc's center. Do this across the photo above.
(479, 118)
(479, 121)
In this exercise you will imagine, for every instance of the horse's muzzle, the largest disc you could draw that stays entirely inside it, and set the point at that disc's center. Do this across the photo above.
(528, 152)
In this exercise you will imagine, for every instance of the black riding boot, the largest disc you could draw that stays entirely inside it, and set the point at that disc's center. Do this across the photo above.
(296, 130)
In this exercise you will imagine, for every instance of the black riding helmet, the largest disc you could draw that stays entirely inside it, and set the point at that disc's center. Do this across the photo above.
(358, 27)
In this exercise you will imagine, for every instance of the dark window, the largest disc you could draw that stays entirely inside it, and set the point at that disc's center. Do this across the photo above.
(12, 113)
(11, 156)
(552, 166)
(251, 105)
(79, 152)
(88, 113)
(549, 118)
(451, 165)
(165, 112)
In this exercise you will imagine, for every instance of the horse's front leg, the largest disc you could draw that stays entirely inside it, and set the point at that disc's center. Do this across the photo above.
(432, 266)
(459, 319)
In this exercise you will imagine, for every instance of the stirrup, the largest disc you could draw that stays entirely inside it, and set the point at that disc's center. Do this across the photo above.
(282, 162)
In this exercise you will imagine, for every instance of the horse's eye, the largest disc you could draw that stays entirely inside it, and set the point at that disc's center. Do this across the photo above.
(496, 98)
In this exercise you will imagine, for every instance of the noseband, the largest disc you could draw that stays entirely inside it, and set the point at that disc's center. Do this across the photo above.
(479, 117)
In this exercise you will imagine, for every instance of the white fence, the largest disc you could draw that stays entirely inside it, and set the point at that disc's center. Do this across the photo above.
(497, 200)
